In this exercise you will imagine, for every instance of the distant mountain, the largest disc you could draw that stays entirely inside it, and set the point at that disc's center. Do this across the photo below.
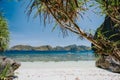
(22, 47)
(50, 48)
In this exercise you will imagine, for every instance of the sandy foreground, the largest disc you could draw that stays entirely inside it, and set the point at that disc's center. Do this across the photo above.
(69, 70)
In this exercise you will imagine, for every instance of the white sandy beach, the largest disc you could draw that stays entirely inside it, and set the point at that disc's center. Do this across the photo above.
(69, 70)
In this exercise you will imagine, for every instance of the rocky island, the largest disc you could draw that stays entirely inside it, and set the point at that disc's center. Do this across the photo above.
(50, 48)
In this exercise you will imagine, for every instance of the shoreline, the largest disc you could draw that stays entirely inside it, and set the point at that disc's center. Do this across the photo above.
(64, 70)
(54, 64)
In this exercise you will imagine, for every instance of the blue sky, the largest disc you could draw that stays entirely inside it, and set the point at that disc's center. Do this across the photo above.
(33, 33)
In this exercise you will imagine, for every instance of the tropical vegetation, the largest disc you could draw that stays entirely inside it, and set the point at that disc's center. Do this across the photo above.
(66, 12)
(4, 41)
(4, 34)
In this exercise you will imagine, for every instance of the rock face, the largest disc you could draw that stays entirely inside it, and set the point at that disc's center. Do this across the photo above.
(107, 62)
(11, 65)
(107, 29)
(49, 48)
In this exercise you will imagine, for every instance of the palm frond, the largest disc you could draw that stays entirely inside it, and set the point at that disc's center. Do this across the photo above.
(57, 8)
(4, 34)
(114, 35)
(64, 12)
(111, 8)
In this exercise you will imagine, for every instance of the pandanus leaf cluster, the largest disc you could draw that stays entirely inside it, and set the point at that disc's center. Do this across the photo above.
(66, 12)
(4, 34)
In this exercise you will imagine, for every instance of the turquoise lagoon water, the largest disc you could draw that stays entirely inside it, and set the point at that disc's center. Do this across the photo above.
(50, 55)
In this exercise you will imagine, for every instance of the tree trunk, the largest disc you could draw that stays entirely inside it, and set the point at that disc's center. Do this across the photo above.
(68, 22)
(76, 29)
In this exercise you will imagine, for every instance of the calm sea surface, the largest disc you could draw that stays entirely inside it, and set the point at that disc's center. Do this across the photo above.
(50, 55)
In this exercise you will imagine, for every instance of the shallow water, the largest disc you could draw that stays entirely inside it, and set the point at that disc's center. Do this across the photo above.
(50, 55)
